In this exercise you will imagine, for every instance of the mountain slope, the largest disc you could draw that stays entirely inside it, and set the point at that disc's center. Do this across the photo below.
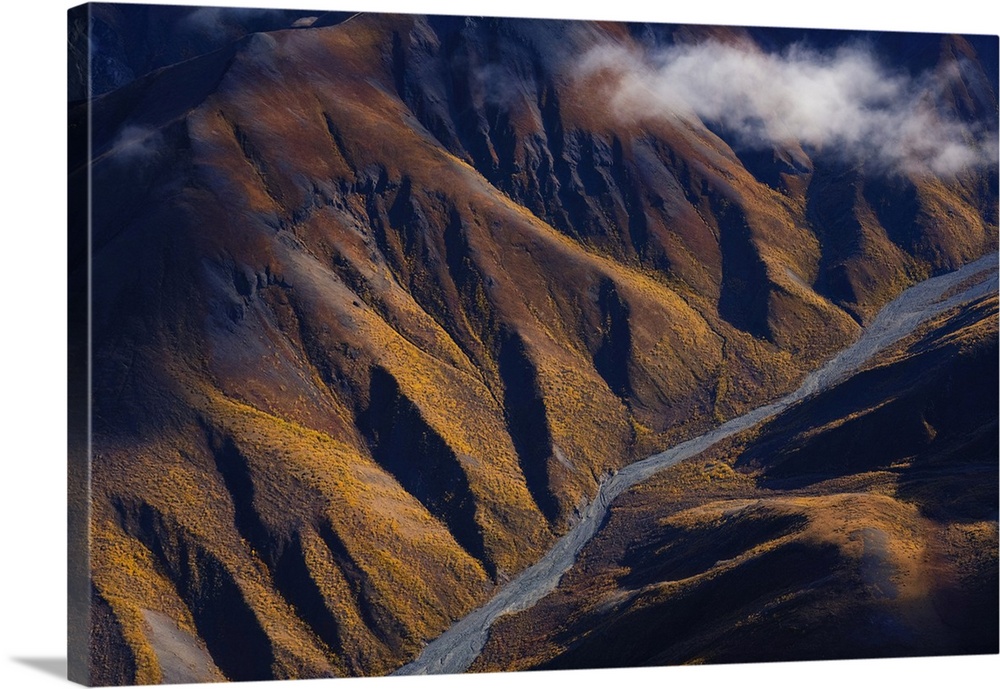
(860, 523)
(376, 304)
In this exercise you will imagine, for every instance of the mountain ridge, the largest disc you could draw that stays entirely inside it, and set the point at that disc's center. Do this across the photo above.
(307, 280)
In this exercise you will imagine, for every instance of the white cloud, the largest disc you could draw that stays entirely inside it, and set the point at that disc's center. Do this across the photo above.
(219, 21)
(136, 144)
(843, 102)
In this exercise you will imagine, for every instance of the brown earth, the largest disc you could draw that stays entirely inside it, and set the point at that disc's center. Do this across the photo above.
(365, 336)
(835, 531)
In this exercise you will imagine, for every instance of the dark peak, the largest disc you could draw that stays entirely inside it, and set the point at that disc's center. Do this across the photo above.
(135, 40)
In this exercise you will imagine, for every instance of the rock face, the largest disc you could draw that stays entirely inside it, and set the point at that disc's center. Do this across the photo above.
(376, 302)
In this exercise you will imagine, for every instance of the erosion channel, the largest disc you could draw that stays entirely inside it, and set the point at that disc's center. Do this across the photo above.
(456, 649)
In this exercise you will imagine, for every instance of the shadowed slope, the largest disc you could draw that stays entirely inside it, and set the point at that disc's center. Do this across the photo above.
(835, 531)
(376, 304)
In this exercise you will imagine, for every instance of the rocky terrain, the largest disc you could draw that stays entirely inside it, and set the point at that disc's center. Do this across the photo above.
(378, 300)
(858, 523)
(460, 647)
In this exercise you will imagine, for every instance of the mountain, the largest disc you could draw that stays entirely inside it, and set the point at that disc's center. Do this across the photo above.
(377, 300)
(129, 41)
(861, 523)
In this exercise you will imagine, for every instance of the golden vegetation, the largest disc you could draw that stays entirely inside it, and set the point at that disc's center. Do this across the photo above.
(312, 269)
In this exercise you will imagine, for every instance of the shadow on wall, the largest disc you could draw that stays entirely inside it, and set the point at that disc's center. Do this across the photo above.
(57, 667)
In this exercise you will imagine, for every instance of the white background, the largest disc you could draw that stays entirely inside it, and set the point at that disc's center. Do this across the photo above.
(33, 333)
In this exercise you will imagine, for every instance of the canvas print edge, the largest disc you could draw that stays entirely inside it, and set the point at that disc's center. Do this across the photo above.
(76, 479)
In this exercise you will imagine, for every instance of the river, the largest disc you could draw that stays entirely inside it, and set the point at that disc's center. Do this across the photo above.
(456, 649)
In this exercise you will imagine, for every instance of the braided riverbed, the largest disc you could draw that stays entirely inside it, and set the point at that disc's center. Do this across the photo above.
(458, 647)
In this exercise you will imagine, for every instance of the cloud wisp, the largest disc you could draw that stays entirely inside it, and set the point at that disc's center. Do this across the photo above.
(217, 22)
(843, 103)
(135, 144)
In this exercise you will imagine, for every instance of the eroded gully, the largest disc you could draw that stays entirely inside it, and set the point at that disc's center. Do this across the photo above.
(456, 649)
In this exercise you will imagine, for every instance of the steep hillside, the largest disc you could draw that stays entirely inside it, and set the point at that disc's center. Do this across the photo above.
(860, 523)
(377, 302)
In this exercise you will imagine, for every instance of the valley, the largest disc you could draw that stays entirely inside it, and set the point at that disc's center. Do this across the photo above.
(379, 303)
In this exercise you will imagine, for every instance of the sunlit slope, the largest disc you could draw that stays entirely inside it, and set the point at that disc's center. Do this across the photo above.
(371, 321)
(861, 523)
